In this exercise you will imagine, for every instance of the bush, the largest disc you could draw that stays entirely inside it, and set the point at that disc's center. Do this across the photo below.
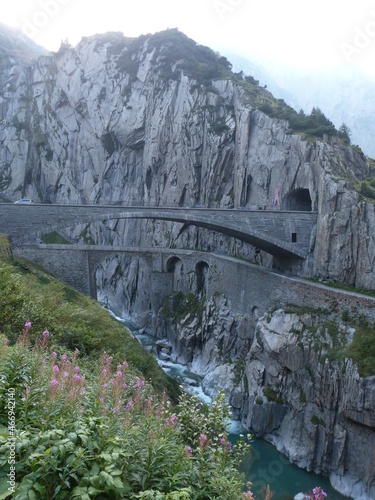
(80, 433)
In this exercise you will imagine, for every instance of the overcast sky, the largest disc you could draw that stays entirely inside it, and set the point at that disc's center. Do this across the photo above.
(296, 33)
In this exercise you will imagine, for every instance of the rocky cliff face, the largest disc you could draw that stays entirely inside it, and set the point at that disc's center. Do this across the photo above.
(284, 383)
(116, 120)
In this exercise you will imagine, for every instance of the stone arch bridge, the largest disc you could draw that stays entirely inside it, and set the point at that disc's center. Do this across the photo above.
(280, 233)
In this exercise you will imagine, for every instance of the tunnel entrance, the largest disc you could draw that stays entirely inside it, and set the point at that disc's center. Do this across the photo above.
(299, 200)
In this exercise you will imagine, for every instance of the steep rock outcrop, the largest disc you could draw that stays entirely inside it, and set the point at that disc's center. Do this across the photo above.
(282, 380)
(116, 120)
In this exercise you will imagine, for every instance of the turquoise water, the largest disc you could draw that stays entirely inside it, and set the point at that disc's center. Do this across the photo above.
(264, 465)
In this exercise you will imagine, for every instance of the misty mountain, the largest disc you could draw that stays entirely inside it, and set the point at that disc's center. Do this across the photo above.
(345, 95)
(14, 43)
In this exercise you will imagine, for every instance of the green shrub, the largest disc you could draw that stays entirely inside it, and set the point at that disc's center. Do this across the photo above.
(271, 395)
(100, 431)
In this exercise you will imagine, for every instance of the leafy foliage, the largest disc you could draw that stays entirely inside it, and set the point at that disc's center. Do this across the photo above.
(103, 433)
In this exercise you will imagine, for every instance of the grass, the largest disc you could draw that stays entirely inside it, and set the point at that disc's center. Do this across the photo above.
(73, 320)
(343, 286)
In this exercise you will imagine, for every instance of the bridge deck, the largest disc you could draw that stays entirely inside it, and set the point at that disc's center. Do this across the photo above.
(281, 233)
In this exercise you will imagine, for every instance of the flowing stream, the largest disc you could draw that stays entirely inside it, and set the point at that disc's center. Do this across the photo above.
(264, 465)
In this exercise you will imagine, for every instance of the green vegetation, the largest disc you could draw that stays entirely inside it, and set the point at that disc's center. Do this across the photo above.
(99, 431)
(362, 349)
(344, 286)
(367, 188)
(174, 53)
(344, 134)
(317, 421)
(271, 395)
(73, 320)
(316, 124)
(302, 395)
(55, 238)
(178, 306)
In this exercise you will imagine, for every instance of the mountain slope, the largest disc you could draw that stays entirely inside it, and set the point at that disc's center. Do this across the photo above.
(14, 43)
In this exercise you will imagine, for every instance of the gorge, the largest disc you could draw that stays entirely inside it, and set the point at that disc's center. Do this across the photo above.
(160, 122)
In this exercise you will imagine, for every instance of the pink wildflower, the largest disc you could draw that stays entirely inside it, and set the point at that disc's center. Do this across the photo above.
(64, 357)
(54, 383)
(188, 451)
(28, 324)
(248, 495)
(318, 494)
(54, 354)
(225, 443)
(202, 441)
(56, 369)
(172, 421)
(45, 334)
(130, 405)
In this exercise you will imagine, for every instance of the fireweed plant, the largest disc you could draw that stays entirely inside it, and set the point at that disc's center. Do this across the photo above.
(103, 432)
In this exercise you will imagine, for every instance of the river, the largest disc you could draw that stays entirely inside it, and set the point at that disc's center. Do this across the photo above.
(264, 465)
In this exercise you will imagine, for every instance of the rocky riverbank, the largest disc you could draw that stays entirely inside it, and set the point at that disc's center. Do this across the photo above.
(288, 382)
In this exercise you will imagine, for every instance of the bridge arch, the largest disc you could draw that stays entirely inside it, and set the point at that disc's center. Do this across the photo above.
(201, 273)
(175, 268)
